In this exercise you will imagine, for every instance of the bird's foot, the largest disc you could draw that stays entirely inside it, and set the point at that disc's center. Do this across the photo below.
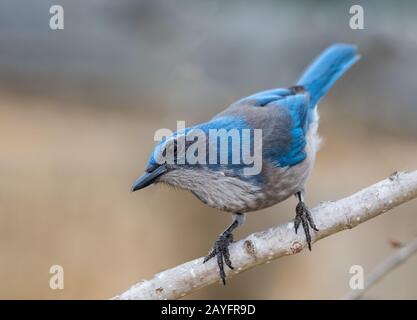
(221, 251)
(304, 217)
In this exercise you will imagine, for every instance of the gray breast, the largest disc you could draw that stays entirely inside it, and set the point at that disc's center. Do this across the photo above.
(217, 189)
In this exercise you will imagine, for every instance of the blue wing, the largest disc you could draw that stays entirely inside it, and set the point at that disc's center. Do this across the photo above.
(282, 114)
(294, 107)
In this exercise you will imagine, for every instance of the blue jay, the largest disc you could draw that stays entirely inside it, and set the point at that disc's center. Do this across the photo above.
(289, 119)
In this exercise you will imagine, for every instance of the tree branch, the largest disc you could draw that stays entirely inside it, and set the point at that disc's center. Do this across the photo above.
(386, 266)
(258, 248)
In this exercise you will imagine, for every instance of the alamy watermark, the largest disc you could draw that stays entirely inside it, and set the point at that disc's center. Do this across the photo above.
(356, 21)
(215, 146)
(357, 280)
(56, 281)
(56, 22)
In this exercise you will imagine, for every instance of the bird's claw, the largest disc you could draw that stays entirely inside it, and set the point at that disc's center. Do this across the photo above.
(221, 250)
(304, 217)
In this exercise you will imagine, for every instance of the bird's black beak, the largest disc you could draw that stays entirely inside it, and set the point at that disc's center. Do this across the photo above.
(148, 177)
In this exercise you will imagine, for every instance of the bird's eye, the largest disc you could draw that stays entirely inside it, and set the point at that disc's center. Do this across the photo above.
(173, 151)
(169, 151)
(175, 148)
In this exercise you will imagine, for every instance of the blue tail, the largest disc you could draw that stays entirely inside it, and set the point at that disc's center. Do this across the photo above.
(328, 67)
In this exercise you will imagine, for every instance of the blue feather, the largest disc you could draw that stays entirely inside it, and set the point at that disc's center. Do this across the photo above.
(293, 153)
(262, 98)
(328, 67)
(232, 123)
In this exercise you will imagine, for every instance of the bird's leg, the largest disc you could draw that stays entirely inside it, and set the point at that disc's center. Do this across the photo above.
(221, 246)
(304, 217)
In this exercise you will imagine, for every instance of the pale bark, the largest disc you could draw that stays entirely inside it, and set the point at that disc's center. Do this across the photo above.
(258, 248)
(385, 267)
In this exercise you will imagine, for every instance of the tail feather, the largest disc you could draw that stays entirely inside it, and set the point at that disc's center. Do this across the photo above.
(328, 67)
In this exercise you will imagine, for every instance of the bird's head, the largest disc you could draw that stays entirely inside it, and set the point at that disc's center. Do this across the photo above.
(170, 161)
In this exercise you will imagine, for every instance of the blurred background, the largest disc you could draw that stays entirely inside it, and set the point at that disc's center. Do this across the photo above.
(79, 108)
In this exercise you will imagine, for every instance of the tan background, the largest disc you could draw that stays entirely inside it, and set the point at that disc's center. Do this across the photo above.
(78, 111)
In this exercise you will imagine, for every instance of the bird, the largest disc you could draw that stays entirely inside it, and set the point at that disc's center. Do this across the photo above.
(288, 119)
